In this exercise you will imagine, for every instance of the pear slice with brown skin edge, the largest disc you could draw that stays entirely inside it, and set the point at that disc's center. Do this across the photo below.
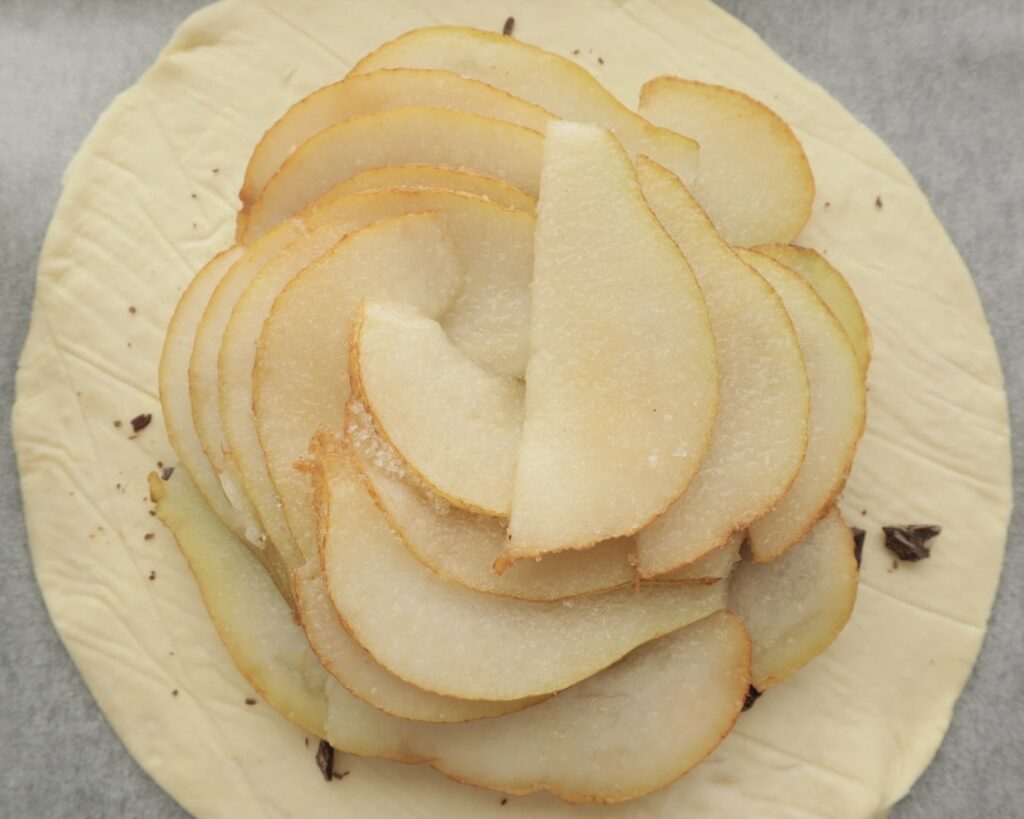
(493, 648)
(400, 136)
(622, 382)
(761, 430)
(572, 745)
(795, 606)
(838, 408)
(832, 288)
(372, 93)
(300, 377)
(433, 176)
(456, 425)
(176, 401)
(550, 80)
(461, 546)
(754, 180)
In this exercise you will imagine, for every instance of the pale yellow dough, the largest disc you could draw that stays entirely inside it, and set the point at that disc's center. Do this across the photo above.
(846, 736)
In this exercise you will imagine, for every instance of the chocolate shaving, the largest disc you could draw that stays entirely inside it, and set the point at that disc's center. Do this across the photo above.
(878, 201)
(910, 542)
(117, 424)
(166, 474)
(858, 543)
(752, 696)
(140, 422)
(132, 310)
(325, 759)
(504, 800)
(575, 52)
(174, 693)
(250, 701)
(149, 536)
(509, 27)
(152, 575)
(600, 60)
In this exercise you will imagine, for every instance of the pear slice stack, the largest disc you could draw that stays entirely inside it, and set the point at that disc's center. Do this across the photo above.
(514, 425)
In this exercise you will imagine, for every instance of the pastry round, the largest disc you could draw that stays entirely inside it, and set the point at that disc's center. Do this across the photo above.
(152, 195)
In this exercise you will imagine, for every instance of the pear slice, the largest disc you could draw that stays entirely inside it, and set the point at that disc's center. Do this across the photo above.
(572, 745)
(372, 93)
(462, 547)
(832, 288)
(354, 668)
(838, 406)
(754, 180)
(400, 136)
(794, 607)
(550, 80)
(175, 399)
(761, 431)
(446, 638)
(437, 177)
(300, 378)
(456, 425)
(714, 566)
(621, 385)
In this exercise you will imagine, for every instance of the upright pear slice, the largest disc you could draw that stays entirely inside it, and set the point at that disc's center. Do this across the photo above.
(794, 607)
(621, 385)
(358, 96)
(446, 638)
(354, 668)
(832, 288)
(463, 547)
(761, 431)
(400, 136)
(550, 80)
(572, 745)
(175, 398)
(838, 406)
(437, 177)
(456, 425)
(753, 180)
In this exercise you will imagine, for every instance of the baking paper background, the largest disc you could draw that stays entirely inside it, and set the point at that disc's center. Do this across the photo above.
(939, 81)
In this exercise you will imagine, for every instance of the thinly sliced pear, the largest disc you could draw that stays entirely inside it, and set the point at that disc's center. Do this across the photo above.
(300, 379)
(463, 547)
(401, 136)
(434, 176)
(794, 607)
(714, 566)
(355, 669)
(753, 180)
(832, 288)
(621, 385)
(446, 638)
(550, 80)
(572, 745)
(175, 398)
(456, 425)
(410, 258)
(761, 431)
(838, 407)
(357, 96)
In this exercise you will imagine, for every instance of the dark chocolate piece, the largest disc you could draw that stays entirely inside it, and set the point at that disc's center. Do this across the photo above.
(858, 543)
(166, 474)
(250, 701)
(751, 698)
(910, 542)
(878, 201)
(325, 759)
(140, 422)
(509, 27)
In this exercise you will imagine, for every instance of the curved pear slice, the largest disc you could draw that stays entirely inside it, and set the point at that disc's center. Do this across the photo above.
(753, 180)
(456, 425)
(622, 384)
(446, 638)
(434, 176)
(832, 288)
(794, 607)
(550, 80)
(175, 399)
(572, 745)
(714, 566)
(300, 378)
(401, 136)
(350, 664)
(462, 547)
(838, 406)
(761, 431)
(357, 96)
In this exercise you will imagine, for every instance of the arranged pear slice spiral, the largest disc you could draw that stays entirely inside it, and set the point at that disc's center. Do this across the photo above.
(500, 452)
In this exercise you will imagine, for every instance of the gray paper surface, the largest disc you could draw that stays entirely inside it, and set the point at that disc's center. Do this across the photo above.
(941, 81)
